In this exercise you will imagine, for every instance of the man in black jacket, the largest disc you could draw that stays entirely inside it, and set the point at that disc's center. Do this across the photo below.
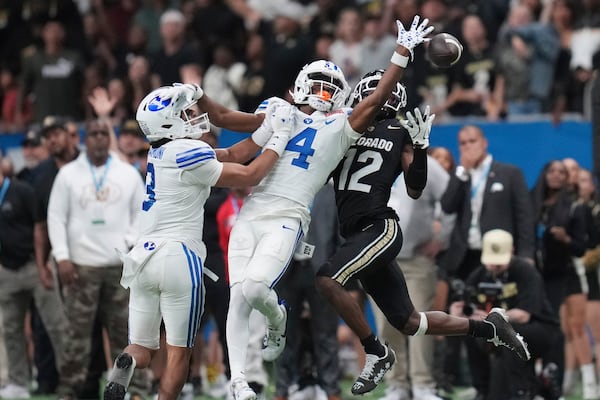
(485, 194)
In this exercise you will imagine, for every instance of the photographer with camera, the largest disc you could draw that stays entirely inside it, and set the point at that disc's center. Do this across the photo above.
(512, 283)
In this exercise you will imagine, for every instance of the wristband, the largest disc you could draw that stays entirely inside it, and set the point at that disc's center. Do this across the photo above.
(277, 143)
(399, 60)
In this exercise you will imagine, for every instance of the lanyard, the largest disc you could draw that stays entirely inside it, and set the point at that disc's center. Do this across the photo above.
(483, 177)
(4, 189)
(100, 183)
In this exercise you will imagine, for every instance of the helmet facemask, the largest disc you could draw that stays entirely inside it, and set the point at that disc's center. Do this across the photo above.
(194, 124)
(322, 86)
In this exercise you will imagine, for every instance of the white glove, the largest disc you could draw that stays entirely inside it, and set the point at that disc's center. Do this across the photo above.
(282, 122)
(419, 127)
(265, 130)
(415, 36)
(192, 91)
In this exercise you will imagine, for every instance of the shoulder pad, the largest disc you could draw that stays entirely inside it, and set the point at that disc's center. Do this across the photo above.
(192, 157)
(269, 103)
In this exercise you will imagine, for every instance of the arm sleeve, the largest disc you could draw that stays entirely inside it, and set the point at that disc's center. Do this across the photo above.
(416, 176)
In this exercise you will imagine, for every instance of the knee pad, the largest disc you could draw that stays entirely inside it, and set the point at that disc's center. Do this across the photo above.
(255, 293)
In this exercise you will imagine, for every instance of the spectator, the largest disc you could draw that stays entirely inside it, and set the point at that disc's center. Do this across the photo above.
(53, 75)
(62, 149)
(135, 46)
(562, 14)
(33, 152)
(139, 80)
(474, 75)
(417, 261)
(346, 49)
(215, 22)
(20, 284)
(591, 260)
(223, 77)
(9, 91)
(444, 157)
(174, 52)
(131, 141)
(560, 229)
(527, 54)
(376, 44)
(148, 18)
(91, 212)
(485, 194)
(512, 283)
(288, 49)
(251, 90)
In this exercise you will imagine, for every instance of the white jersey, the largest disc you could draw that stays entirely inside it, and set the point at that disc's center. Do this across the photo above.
(180, 175)
(317, 144)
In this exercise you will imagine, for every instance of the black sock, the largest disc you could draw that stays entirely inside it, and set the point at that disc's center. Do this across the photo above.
(372, 345)
(481, 329)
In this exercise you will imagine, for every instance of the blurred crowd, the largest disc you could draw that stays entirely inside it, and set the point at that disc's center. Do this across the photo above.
(65, 62)
(520, 57)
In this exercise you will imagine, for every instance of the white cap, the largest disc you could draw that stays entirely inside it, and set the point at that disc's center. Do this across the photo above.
(172, 16)
(497, 247)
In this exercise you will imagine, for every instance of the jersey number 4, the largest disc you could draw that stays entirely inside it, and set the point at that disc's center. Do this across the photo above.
(353, 182)
(150, 184)
(301, 143)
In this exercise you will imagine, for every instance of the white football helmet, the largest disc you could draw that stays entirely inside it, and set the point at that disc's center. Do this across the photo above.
(322, 85)
(165, 114)
(366, 86)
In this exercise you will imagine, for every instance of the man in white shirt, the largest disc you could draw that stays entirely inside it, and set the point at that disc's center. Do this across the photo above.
(91, 213)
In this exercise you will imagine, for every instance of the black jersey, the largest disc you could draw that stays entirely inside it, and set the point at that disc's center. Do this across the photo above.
(364, 177)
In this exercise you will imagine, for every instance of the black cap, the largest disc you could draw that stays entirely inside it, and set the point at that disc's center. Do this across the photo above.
(52, 122)
(32, 138)
(131, 127)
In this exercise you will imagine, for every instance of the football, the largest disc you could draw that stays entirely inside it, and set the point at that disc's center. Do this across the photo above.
(444, 50)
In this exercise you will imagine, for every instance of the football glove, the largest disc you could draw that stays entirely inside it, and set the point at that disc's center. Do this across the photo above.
(414, 36)
(192, 91)
(419, 127)
(282, 122)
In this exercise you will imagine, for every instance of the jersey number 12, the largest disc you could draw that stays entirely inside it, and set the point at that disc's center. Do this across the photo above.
(353, 183)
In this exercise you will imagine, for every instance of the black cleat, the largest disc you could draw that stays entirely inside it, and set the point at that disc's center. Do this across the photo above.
(123, 367)
(374, 370)
(505, 335)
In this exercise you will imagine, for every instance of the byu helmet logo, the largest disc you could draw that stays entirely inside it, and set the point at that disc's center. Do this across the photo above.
(157, 104)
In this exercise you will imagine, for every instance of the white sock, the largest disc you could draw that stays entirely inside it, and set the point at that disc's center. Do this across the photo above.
(237, 331)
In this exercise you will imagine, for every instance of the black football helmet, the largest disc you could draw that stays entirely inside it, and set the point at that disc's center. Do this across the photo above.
(367, 85)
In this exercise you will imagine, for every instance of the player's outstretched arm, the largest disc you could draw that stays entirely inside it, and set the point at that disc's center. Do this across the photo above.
(246, 149)
(220, 115)
(240, 175)
(414, 158)
(365, 111)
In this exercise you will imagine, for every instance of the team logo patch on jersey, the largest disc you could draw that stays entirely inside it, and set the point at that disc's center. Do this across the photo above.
(157, 104)
(149, 246)
(308, 121)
